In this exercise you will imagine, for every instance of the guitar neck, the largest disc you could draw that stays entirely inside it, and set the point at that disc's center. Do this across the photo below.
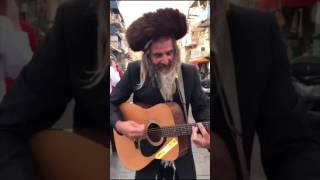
(180, 130)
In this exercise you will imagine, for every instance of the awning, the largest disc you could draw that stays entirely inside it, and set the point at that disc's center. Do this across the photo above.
(199, 61)
(114, 5)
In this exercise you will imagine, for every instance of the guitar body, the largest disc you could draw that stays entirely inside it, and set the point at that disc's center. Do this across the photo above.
(136, 155)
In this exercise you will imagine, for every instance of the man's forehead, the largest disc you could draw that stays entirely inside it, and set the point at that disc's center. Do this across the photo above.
(162, 45)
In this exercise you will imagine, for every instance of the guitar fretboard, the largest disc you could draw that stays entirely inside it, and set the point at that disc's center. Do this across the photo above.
(178, 130)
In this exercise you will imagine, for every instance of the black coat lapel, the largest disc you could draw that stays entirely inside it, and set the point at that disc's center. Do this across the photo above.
(226, 80)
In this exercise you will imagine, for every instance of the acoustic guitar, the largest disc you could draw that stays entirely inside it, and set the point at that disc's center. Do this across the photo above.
(166, 136)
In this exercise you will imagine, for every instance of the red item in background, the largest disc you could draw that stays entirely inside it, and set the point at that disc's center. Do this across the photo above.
(33, 39)
(268, 5)
(119, 71)
(298, 3)
(32, 34)
(9, 82)
(3, 5)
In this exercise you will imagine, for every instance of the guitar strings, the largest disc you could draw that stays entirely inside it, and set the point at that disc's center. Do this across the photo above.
(181, 126)
(180, 129)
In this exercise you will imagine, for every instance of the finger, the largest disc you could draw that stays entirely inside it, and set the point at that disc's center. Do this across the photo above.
(133, 123)
(139, 127)
(194, 133)
(136, 133)
(198, 142)
(130, 121)
(142, 126)
(131, 131)
(195, 138)
(203, 131)
(203, 143)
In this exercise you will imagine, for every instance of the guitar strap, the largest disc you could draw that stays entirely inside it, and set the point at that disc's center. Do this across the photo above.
(180, 85)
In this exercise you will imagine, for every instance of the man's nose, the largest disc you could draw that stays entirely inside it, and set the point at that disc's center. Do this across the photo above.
(166, 60)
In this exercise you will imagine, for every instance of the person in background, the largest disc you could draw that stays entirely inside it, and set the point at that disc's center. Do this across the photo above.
(114, 74)
(32, 34)
(15, 50)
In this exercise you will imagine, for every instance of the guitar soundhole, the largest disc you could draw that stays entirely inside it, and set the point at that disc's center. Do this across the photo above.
(154, 133)
(153, 142)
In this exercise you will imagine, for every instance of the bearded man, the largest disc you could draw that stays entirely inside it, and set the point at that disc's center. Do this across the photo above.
(155, 79)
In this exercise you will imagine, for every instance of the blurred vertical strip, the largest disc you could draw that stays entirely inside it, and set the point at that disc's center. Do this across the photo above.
(102, 41)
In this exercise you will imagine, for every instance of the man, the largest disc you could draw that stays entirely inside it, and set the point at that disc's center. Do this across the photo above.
(153, 80)
(248, 46)
(114, 74)
(59, 71)
(15, 50)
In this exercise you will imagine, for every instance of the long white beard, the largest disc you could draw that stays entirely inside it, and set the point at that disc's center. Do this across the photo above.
(167, 85)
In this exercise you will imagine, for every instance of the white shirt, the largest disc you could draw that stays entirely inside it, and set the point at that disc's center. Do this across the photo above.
(15, 51)
(114, 78)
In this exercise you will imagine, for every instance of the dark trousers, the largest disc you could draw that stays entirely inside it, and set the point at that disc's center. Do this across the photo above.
(185, 169)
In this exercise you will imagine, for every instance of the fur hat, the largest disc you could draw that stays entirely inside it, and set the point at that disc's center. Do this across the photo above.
(163, 22)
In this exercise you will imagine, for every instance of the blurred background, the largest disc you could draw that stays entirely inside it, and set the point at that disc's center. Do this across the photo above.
(299, 22)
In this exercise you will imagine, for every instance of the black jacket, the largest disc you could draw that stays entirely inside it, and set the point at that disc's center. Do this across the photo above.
(55, 75)
(151, 95)
(268, 102)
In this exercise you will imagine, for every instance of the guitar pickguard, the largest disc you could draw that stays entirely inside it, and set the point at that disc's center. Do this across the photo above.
(147, 149)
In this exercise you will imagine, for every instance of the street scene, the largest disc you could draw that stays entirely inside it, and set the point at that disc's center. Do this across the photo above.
(193, 48)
